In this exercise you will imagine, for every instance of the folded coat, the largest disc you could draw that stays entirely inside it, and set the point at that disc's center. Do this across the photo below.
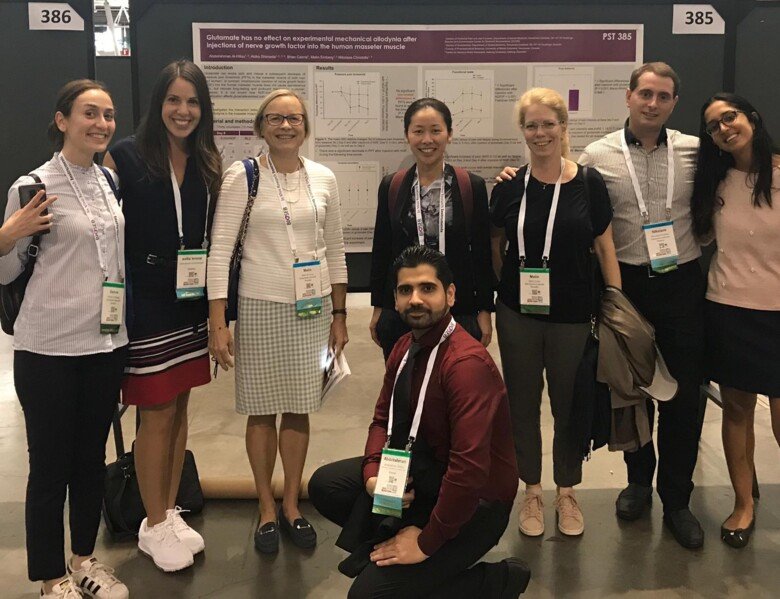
(631, 364)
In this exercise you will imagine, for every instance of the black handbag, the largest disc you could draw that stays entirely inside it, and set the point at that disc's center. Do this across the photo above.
(253, 181)
(123, 509)
(12, 294)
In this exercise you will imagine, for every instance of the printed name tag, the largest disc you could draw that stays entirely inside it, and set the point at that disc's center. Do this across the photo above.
(391, 482)
(535, 291)
(308, 288)
(190, 274)
(661, 246)
(112, 309)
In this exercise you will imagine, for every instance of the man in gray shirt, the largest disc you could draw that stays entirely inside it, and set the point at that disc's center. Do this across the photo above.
(649, 173)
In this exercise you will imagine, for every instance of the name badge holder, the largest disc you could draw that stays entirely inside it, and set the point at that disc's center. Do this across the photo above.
(307, 276)
(535, 282)
(190, 263)
(442, 212)
(659, 236)
(394, 464)
(113, 292)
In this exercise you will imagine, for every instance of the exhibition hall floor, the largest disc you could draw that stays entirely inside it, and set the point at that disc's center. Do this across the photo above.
(612, 558)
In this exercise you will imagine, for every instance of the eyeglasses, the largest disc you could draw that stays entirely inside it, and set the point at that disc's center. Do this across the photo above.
(532, 127)
(727, 118)
(275, 120)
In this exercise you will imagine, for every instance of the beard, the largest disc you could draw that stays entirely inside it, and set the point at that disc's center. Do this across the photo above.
(422, 318)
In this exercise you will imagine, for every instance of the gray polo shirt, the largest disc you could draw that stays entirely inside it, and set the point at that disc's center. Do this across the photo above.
(606, 155)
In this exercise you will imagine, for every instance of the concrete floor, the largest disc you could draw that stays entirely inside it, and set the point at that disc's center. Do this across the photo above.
(612, 558)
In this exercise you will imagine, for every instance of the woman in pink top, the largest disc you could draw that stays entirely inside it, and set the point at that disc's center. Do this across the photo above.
(736, 192)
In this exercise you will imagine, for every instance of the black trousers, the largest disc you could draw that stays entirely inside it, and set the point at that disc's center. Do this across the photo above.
(334, 489)
(68, 403)
(390, 328)
(674, 304)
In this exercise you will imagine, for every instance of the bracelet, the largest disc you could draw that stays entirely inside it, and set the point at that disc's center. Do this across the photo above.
(339, 311)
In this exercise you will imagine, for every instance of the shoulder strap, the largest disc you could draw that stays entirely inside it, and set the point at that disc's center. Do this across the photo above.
(35, 242)
(466, 195)
(253, 182)
(252, 175)
(395, 186)
(110, 180)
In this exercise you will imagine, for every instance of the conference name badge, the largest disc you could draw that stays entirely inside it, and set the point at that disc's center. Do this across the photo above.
(391, 482)
(308, 288)
(661, 246)
(190, 274)
(112, 308)
(534, 290)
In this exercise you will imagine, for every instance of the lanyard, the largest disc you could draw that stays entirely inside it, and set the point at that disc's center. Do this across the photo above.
(635, 181)
(418, 211)
(286, 209)
(421, 399)
(177, 205)
(92, 220)
(550, 218)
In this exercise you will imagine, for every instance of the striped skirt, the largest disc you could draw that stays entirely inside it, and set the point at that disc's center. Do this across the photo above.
(162, 366)
(279, 357)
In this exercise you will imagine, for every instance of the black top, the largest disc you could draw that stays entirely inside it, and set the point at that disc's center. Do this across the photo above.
(468, 252)
(576, 225)
(151, 229)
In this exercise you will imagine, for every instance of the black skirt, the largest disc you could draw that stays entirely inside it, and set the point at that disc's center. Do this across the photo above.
(743, 348)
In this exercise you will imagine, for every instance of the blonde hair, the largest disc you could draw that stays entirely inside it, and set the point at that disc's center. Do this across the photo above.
(279, 93)
(552, 100)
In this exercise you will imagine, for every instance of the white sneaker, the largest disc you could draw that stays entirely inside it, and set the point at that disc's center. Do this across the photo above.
(65, 589)
(97, 580)
(188, 536)
(160, 543)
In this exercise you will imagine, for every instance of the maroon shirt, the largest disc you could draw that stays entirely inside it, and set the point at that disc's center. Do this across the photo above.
(465, 421)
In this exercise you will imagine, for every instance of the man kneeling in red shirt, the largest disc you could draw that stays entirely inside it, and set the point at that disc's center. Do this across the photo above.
(443, 400)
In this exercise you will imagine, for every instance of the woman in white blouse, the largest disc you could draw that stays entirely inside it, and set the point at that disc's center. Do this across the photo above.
(70, 345)
(291, 308)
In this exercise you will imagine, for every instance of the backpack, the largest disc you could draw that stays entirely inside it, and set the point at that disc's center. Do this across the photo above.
(464, 185)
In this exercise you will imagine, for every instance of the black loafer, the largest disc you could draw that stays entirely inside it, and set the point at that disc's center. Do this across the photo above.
(267, 538)
(633, 501)
(685, 528)
(301, 532)
(517, 577)
(739, 537)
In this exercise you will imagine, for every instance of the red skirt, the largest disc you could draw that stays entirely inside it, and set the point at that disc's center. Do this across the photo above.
(162, 366)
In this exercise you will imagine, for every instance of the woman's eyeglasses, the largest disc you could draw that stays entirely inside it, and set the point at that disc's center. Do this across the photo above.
(727, 118)
(275, 120)
(545, 126)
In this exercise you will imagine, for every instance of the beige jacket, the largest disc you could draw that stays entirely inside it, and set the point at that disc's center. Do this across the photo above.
(631, 364)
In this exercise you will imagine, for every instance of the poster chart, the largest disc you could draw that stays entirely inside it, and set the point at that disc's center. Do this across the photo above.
(357, 81)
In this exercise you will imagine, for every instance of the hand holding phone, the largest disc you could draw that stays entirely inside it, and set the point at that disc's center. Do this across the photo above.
(33, 215)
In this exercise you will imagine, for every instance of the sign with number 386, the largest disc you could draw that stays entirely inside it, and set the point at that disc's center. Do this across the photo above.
(54, 16)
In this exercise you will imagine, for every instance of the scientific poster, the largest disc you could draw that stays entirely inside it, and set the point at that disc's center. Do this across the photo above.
(358, 80)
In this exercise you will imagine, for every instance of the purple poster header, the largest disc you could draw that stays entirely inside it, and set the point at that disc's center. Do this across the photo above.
(405, 46)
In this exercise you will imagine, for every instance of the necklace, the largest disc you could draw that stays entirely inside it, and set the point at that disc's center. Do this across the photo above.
(287, 182)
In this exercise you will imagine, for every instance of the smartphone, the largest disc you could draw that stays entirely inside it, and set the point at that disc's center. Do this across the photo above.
(27, 193)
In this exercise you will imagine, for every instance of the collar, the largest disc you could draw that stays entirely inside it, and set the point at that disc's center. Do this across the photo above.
(432, 336)
(631, 139)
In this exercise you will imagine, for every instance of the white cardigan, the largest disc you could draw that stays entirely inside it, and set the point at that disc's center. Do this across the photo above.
(266, 266)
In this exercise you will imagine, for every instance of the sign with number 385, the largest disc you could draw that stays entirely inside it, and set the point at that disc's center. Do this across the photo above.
(54, 16)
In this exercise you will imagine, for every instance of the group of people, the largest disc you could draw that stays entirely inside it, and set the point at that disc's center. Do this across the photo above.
(154, 236)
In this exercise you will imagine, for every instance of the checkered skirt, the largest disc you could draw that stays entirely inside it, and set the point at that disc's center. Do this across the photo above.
(279, 357)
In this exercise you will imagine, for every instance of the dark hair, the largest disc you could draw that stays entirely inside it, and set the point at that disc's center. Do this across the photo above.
(66, 97)
(658, 68)
(152, 136)
(416, 255)
(422, 103)
(713, 164)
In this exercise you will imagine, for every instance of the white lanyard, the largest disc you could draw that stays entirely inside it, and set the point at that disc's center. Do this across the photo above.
(92, 220)
(418, 212)
(286, 208)
(423, 389)
(635, 181)
(177, 205)
(550, 218)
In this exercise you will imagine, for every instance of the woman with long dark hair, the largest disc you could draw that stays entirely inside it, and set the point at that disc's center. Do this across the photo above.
(440, 206)
(736, 190)
(170, 174)
(70, 345)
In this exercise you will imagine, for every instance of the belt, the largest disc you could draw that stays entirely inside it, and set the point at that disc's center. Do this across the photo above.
(154, 259)
(647, 269)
